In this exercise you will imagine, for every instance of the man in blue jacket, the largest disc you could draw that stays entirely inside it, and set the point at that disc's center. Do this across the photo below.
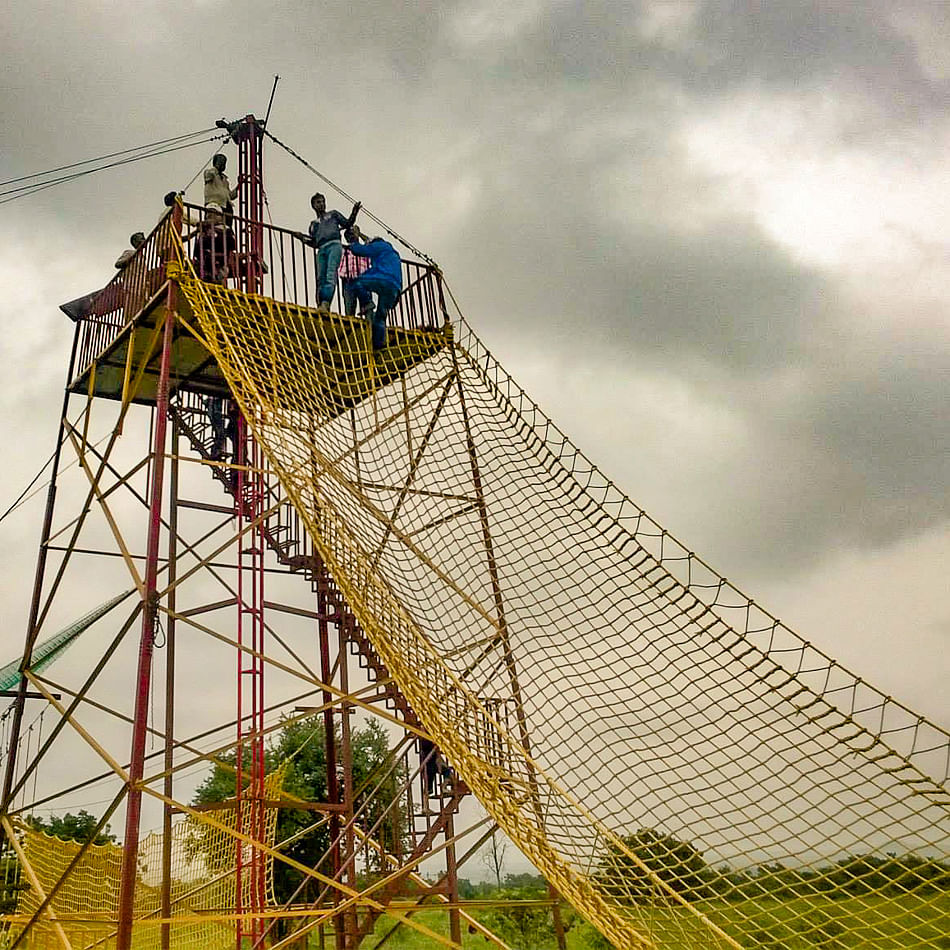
(384, 278)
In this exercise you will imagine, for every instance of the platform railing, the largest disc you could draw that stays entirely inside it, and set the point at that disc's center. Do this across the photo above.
(104, 313)
(284, 269)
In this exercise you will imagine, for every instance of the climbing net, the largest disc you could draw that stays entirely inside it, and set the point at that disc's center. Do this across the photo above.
(685, 769)
(203, 850)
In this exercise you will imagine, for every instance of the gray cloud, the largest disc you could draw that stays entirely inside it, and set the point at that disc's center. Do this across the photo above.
(537, 151)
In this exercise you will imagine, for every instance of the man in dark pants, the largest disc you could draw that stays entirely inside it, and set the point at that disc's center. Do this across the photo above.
(351, 267)
(324, 236)
(214, 249)
(384, 278)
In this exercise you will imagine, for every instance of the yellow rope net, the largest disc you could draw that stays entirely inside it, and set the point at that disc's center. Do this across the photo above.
(686, 770)
(203, 890)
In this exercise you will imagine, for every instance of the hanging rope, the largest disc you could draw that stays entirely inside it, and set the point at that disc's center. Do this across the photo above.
(393, 234)
(102, 158)
(32, 188)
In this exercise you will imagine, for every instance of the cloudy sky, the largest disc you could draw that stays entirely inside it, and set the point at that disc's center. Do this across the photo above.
(708, 237)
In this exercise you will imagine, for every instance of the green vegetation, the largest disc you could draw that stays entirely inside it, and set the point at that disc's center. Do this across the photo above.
(874, 923)
(677, 870)
(302, 746)
(10, 883)
(69, 827)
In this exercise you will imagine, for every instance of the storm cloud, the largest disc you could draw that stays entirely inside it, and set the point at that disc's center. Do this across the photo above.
(708, 236)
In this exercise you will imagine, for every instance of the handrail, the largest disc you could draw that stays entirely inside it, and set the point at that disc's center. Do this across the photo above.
(284, 271)
(104, 313)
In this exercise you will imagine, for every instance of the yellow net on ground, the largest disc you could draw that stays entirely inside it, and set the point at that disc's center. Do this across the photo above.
(203, 891)
(686, 770)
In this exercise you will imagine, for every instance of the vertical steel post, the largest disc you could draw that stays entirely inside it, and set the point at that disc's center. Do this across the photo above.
(170, 694)
(249, 504)
(38, 578)
(329, 727)
(251, 192)
(348, 872)
(452, 877)
(147, 642)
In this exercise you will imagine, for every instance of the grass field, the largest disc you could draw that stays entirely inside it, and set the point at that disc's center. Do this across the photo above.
(904, 923)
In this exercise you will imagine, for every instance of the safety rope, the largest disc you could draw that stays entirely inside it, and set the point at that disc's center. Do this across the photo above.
(23, 191)
(393, 234)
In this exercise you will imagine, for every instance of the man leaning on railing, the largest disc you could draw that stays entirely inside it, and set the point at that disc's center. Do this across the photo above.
(324, 236)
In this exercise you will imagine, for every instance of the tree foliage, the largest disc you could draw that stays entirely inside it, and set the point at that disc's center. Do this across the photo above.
(522, 926)
(661, 864)
(10, 883)
(663, 867)
(80, 827)
(301, 745)
(493, 857)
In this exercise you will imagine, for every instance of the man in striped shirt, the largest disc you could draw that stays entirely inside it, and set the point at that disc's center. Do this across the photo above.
(351, 267)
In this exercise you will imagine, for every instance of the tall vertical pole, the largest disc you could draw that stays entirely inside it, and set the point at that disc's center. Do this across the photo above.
(329, 727)
(251, 191)
(170, 695)
(452, 876)
(149, 620)
(249, 504)
(31, 627)
(348, 875)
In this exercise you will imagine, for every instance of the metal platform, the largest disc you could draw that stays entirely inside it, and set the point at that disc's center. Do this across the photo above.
(337, 345)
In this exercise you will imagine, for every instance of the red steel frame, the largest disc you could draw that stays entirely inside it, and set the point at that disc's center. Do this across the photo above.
(251, 501)
(249, 507)
(147, 642)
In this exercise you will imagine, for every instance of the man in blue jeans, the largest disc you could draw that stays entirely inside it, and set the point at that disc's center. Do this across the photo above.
(384, 278)
(324, 235)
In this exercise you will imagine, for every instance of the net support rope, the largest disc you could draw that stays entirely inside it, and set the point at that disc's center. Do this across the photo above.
(598, 686)
(682, 767)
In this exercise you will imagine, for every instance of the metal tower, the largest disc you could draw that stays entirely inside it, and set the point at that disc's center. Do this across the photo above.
(134, 351)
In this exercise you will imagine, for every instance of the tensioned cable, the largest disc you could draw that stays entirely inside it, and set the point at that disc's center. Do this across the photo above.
(33, 481)
(25, 190)
(144, 152)
(24, 497)
(406, 243)
(30, 189)
(102, 158)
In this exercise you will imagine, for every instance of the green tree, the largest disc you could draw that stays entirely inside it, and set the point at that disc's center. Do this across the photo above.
(69, 827)
(522, 926)
(663, 864)
(10, 883)
(301, 745)
(79, 827)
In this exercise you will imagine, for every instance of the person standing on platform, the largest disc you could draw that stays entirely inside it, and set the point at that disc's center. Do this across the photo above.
(214, 249)
(351, 267)
(135, 242)
(324, 237)
(132, 269)
(384, 278)
(218, 191)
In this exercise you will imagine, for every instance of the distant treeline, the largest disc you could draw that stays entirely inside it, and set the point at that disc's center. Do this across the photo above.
(528, 885)
(680, 867)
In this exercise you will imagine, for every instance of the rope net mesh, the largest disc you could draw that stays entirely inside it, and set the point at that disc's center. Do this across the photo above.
(204, 852)
(650, 738)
